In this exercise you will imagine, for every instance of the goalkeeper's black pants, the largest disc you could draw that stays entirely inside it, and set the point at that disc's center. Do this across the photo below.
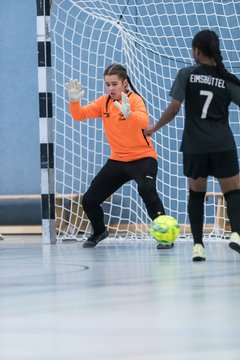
(110, 178)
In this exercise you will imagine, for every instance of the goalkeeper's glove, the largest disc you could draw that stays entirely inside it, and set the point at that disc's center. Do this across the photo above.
(125, 106)
(74, 89)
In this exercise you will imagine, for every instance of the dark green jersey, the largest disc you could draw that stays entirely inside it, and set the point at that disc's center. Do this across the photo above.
(207, 97)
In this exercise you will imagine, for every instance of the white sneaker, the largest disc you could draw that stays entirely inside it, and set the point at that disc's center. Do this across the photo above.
(1, 237)
(199, 253)
(235, 242)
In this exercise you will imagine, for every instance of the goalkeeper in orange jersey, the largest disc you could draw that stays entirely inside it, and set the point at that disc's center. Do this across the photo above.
(133, 157)
(208, 144)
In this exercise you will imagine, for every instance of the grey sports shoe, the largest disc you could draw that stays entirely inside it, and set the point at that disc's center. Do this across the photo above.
(235, 242)
(199, 253)
(165, 246)
(93, 240)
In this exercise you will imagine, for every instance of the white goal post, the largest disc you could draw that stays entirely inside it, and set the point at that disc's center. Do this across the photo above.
(152, 39)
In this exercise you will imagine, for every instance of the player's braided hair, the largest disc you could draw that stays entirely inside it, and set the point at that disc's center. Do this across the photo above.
(208, 42)
(116, 69)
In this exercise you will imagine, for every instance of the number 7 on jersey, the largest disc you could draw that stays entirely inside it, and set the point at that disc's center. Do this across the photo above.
(209, 96)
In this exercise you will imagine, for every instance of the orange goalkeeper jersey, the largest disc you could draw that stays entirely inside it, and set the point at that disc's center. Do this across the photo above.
(125, 135)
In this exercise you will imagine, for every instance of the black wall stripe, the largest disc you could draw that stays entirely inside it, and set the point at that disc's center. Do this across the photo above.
(45, 105)
(48, 206)
(41, 9)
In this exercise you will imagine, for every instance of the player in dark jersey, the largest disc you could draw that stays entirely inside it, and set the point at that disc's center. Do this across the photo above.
(208, 144)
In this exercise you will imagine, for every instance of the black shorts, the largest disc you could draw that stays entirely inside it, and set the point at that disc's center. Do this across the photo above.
(221, 165)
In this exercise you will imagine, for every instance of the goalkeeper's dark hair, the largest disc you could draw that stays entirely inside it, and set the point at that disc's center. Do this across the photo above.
(116, 69)
(207, 41)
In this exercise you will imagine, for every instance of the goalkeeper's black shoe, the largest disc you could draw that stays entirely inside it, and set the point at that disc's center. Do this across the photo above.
(93, 240)
(165, 246)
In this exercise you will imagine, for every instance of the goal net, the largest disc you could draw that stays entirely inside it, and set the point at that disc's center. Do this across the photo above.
(152, 39)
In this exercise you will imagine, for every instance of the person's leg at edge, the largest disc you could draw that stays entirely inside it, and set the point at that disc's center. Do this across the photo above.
(231, 191)
(105, 183)
(197, 191)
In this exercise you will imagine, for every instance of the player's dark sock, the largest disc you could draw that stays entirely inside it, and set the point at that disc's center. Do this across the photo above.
(196, 214)
(233, 209)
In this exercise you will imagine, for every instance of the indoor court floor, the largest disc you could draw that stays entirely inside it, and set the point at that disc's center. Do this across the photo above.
(123, 300)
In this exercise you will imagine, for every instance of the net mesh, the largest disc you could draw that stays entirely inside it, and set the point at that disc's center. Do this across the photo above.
(152, 39)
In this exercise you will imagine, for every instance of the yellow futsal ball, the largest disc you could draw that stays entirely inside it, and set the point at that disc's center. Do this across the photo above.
(165, 229)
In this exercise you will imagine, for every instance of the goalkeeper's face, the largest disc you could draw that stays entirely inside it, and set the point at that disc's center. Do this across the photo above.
(115, 86)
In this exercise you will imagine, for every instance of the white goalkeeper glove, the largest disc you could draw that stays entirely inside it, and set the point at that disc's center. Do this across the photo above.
(74, 89)
(125, 107)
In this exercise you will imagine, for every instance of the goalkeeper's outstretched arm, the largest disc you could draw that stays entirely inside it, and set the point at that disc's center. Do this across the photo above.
(78, 112)
(74, 90)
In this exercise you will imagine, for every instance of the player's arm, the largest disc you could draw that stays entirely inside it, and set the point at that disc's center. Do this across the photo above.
(133, 108)
(139, 112)
(166, 117)
(234, 91)
(178, 96)
(78, 112)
